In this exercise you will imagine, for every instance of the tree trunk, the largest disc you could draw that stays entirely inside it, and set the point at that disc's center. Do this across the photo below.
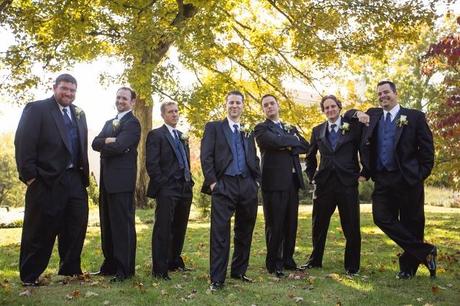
(144, 114)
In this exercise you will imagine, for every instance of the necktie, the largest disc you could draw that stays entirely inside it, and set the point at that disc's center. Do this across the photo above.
(387, 121)
(235, 143)
(333, 135)
(72, 140)
(184, 162)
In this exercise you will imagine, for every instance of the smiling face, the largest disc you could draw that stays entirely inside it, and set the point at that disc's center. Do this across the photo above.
(271, 108)
(124, 101)
(234, 107)
(387, 97)
(171, 115)
(64, 93)
(331, 110)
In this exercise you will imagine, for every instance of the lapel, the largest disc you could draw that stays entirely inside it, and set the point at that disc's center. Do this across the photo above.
(57, 116)
(374, 120)
(227, 132)
(186, 148)
(80, 127)
(322, 136)
(399, 129)
(171, 141)
(272, 127)
(342, 136)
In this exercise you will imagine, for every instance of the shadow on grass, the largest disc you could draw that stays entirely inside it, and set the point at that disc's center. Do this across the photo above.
(375, 285)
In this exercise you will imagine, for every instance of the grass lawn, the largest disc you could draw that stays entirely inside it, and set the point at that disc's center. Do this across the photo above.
(375, 285)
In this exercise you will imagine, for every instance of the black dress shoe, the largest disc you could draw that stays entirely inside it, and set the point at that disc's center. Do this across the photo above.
(431, 262)
(291, 268)
(117, 279)
(404, 275)
(310, 265)
(163, 276)
(351, 273)
(242, 277)
(101, 273)
(280, 274)
(216, 286)
(180, 269)
(35, 283)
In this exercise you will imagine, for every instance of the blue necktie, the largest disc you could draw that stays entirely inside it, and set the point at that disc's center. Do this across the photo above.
(184, 162)
(236, 134)
(387, 121)
(73, 142)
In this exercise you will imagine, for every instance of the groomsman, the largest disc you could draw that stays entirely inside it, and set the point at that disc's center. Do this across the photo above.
(336, 183)
(231, 174)
(168, 166)
(51, 155)
(117, 143)
(399, 156)
(280, 145)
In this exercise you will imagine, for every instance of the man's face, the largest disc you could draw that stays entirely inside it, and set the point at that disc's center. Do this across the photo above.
(123, 101)
(331, 110)
(271, 108)
(387, 97)
(234, 107)
(171, 115)
(64, 93)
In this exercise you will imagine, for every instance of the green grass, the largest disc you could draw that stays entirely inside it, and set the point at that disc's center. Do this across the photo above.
(376, 284)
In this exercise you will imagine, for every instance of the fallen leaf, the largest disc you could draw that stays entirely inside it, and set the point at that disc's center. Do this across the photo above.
(435, 289)
(298, 299)
(106, 302)
(164, 292)
(26, 292)
(90, 294)
(333, 276)
(419, 299)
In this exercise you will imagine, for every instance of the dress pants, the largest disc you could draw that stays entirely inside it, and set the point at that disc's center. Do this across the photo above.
(398, 211)
(281, 211)
(328, 196)
(118, 233)
(232, 194)
(58, 208)
(171, 218)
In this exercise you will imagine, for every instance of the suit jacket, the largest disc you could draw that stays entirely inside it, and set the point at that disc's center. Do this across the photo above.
(413, 147)
(119, 158)
(162, 160)
(279, 155)
(42, 144)
(216, 153)
(343, 160)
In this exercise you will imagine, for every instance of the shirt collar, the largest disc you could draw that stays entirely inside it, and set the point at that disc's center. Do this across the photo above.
(337, 123)
(122, 114)
(231, 123)
(69, 113)
(394, 111)
(171, 129)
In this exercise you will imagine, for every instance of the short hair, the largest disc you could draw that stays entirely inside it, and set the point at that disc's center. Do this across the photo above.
(268, 95)
(234, 92)
(133, 93)
(332, 97)
(65, 77)
(392, 85)
(167, 103)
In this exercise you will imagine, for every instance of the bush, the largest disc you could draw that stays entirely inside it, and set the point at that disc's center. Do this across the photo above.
(200, 200)
(12, 190)
(365, 191)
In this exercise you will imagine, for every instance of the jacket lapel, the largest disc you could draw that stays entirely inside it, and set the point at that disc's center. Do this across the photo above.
(80, 127)
(342, 135)
(227, 133)
(171, 141)
(57, 115)
(322, 136)
(399, 129)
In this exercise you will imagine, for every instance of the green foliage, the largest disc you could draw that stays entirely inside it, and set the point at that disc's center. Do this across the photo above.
(93, 191)
(200, 200)
(365, 191)
(12, 190)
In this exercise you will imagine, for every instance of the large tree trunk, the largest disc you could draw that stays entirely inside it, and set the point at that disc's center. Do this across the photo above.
(144, 114)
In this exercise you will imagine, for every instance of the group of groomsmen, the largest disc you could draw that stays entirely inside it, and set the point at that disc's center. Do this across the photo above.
(390, 144)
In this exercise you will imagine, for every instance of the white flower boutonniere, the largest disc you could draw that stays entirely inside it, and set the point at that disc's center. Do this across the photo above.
(345, 127)
(288, 127)
(78, 112)
(246, 130)
(402, 121)
(184, 137)
(115, 123)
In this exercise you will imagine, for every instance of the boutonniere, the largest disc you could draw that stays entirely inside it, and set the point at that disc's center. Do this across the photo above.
(78, 112)
(184, 137)
(402, 121)
(288, 127)
(345, 127)
(115, 123)
(246, 130)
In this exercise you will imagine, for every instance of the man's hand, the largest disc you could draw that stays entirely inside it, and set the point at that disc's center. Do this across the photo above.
(363, 117)
(361, 179)
(29, 182)
(110, 140)
(212, 186)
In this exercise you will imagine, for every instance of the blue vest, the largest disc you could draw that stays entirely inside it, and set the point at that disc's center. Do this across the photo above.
(72, 133)
(238, 165)
(385, 145)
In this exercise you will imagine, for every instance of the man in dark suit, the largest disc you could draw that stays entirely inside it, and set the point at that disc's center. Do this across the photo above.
(336, 183)
(280, 146)
(117, 143)
(231, 174)
(399, 156)
(51, 156)
(168, 166)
